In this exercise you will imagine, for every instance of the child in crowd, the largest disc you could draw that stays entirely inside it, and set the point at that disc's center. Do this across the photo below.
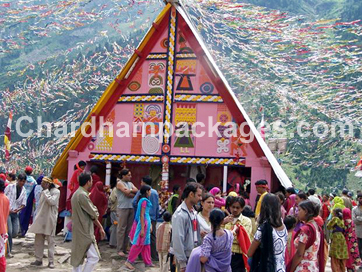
(338, 250)
(215, 251)
(163, 238)
(289, 222)
(248, 212)
(241, 228)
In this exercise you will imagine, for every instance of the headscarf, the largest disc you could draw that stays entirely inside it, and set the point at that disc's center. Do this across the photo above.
(293, 201)
(219, 201)
(338, 203)
(214, 191)
(3, 177)
(99, 199)
(346, 215)
(233, 194)
(74, 183)
(39, 179)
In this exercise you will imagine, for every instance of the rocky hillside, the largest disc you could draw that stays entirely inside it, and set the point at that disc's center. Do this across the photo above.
(298, 64)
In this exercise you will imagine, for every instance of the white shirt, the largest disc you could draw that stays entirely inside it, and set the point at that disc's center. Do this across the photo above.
(204, 225)
(315, 200)
(280, 239)
(10, 192)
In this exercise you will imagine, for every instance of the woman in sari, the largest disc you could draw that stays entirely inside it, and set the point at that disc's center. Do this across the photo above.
(141, 231)
(354, 261)
(309, 241)
(215, 251)
(74, 183)
(99, 199)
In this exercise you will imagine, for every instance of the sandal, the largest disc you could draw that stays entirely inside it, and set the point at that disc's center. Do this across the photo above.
(129, 266)
(122, 254)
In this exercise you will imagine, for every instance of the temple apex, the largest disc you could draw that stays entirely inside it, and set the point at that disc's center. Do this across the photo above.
(172, 1)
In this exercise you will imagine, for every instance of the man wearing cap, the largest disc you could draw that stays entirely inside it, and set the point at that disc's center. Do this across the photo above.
(262, 189)
(45, 222)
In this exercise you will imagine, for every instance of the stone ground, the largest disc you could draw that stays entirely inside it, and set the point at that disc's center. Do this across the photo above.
(23, 251)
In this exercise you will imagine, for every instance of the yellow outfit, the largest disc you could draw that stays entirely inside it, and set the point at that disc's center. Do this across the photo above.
(246, 223)
(258, 207)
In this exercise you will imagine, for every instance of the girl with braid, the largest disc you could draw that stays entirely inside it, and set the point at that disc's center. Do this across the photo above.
(215, 252)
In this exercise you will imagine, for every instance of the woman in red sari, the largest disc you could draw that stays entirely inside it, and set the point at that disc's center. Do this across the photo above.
(99, 199)
(74, 183)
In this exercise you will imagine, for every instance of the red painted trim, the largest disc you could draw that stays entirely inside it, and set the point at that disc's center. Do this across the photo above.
(156, 26)
(139, 53)
(105, 111)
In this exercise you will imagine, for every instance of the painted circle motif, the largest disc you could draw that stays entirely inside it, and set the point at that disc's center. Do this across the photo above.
(134, 86)
(150, 145)
(164, 43)
(166, 148)
(224, 118)
(207, 88)
(91, 146)
(165, 159)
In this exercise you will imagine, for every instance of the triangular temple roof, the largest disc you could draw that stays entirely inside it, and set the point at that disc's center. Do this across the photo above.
(112, 94)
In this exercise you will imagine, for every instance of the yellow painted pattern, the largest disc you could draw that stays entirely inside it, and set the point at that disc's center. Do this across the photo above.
(190, 55)
(185, 114)
(198, 98)
(170, 76)
(141, 98)
(158, 56)
(219, 161)
(129, 158)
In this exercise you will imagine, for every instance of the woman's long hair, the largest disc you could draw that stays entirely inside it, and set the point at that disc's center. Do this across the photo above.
(143, 192)
(270, 216)
(216, 218)
(270, 211)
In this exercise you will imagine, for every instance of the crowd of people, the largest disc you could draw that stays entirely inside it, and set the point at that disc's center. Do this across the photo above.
(195, 229)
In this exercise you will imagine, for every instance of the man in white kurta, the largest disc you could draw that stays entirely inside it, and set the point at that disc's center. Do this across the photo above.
(46, 221)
